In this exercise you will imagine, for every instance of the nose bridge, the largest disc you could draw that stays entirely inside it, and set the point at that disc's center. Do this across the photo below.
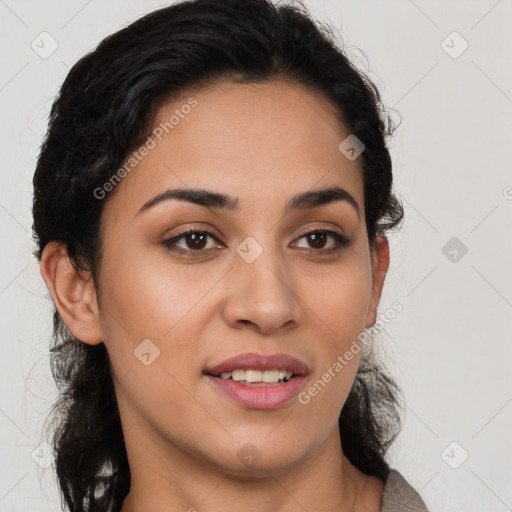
(264, 290)
(263, 265)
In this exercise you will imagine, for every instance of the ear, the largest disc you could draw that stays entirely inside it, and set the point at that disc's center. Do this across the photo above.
(380, 264)
(72, 292)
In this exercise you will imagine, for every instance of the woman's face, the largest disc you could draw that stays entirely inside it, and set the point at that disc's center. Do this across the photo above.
(272, 277)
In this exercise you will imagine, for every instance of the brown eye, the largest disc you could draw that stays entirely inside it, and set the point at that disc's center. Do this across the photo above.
(196, 240)
(193, 241)
(318, 239)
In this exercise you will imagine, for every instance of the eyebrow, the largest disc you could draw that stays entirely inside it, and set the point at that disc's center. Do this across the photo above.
(211, 199)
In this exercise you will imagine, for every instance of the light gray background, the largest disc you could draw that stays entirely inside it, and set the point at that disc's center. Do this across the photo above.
(450, 348)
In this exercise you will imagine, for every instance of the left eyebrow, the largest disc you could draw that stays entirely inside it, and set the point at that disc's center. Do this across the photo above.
(211, 199)
(320, 197)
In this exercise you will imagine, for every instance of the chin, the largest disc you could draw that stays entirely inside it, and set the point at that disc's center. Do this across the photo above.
(247, 459)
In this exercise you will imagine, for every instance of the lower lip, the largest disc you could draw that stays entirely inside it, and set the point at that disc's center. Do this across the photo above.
(259, 397)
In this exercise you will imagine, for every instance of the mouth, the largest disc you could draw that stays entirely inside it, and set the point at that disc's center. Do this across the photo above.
(249, 377)
(258, 381)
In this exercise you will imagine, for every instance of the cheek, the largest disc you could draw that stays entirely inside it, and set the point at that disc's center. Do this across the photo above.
(340, 297)
(148, 295)
(340, 305)
(148, 313)
(146, 299)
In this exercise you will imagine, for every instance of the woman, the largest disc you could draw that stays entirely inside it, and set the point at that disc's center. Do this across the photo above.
(211, 205)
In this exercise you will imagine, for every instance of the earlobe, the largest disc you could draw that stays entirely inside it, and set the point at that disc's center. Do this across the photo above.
(380, 265)
(72, 292)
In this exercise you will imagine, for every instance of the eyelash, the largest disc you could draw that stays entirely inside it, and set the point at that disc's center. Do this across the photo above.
(340, 240)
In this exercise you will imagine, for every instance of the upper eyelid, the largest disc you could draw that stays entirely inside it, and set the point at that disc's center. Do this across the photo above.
(326, 230)
(193, 229)
(179, 236)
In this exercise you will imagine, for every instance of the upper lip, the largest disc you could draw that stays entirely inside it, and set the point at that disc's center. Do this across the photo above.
(260, 362)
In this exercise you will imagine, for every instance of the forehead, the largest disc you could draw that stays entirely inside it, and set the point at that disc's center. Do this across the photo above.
(262, 142)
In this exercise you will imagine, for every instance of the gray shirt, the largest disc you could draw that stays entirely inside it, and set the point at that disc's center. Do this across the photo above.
(399, 496)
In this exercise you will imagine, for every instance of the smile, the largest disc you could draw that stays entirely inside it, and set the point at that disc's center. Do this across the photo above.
(257, 381)
(257, 377)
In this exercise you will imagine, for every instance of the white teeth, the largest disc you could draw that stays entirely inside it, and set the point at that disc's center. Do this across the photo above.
(251, 376)
(270, 376)
(238, 375)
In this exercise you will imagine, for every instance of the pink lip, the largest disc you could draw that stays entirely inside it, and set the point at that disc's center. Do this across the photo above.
(259, 397)
(260, 362)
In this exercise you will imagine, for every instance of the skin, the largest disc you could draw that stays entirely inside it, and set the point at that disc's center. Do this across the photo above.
(261, 143)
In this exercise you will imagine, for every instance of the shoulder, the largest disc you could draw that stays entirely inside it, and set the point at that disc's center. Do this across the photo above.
(400, 496)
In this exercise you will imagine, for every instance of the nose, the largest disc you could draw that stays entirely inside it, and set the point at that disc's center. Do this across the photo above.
(263, 295)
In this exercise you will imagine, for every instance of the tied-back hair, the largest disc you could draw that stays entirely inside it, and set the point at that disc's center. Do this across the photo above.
(104, 109)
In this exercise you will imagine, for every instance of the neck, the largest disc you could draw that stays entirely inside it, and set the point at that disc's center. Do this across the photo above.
(166, 478)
